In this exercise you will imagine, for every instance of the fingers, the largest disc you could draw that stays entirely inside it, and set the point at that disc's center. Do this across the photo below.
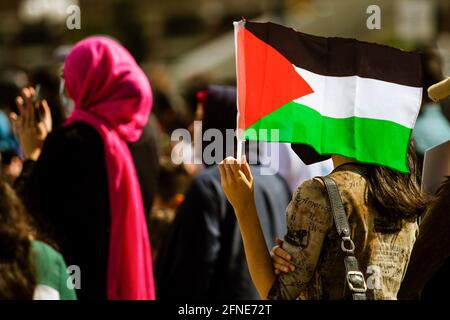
(281, 258)
(223, 173)
(228, 171)
(278, 251)
(46, 115)
(229, 164)
(20, 105)
(28, 115)
(246, 169)
(44, 108)
(41, 130)
(14, 118)
(279, 242)
(283, 262)
(235, 170)
(234, 165)
(27, 106)
(281, 267)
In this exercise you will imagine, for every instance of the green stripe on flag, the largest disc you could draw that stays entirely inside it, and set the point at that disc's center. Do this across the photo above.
(298, 123)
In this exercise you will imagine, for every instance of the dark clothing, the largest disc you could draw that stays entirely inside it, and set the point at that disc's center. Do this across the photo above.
(203, 257)
(66, 192)
(145, 153)
(428, 275)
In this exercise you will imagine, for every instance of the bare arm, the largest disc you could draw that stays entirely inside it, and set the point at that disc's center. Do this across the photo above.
(302, 245)
(237, 183)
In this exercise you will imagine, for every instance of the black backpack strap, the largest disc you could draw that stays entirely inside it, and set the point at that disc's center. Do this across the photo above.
(354, 277)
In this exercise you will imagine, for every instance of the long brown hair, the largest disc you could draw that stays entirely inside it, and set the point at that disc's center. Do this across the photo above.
(17, 277)
(397, 194)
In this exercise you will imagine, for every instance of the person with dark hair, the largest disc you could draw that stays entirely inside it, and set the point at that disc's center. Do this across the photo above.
(428, 274)
(382, 206)
(427, 277)
(29, 269)
(203, 257)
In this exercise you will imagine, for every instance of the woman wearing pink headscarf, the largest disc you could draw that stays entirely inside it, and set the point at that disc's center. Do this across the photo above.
(82, 185)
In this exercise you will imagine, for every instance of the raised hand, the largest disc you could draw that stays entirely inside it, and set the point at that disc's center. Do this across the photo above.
(237, 182)
(33, 123)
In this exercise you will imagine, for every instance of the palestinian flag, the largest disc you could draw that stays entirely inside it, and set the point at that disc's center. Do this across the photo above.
(339, 96)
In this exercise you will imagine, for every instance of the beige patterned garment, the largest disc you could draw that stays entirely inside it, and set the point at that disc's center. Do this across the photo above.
(383, 247)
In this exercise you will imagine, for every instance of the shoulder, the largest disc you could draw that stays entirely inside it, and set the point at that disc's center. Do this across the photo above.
(308, 213)
(47, 263)
(311, 193)
(310, 201)
(43, 252)
(51, 273)
(77, 134)
(78, 144)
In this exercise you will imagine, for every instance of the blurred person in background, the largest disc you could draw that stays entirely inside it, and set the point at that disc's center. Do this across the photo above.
(48, 79)
(12, 80)
(432, 127)
(172, 183)
(29, 268)
(189, 152)
(11, 161)
(80, 182)
(146, 152)
(203, 257)
(428, 272)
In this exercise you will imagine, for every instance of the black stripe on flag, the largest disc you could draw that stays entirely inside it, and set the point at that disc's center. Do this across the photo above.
(341, 57)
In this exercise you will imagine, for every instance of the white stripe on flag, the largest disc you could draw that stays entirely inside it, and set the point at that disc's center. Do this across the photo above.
(344, 97)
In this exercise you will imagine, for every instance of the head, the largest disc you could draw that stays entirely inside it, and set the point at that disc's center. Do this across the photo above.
(193, 85)
(17, 277)
(172, 183)
(104, 80)
(397, 194)
(218, 104)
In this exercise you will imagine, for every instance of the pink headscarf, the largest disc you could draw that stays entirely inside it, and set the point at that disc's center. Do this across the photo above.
(113, 95)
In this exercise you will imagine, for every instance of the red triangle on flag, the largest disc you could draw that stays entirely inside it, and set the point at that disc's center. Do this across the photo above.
(266, 79)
